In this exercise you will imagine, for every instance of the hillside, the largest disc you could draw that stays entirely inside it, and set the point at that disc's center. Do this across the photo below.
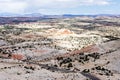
(77, 48)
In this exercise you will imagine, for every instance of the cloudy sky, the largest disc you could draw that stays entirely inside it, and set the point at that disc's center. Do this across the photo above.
(60, 6)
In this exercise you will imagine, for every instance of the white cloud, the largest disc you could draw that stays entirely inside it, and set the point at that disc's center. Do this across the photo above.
(39, 5)
(98, 2)
(12, 7)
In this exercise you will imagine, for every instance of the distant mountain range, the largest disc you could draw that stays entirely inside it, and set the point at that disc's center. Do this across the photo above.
(49, 16)
(20, 15)
(35, 15)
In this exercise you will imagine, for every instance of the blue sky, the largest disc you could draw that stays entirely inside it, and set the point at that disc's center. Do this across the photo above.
(60, 6)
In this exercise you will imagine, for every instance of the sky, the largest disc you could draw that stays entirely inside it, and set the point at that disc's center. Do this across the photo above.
(60, 6)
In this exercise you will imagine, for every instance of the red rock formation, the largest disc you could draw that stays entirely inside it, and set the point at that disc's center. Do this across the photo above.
(17, 56)
(64, 31)
(89, 49)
